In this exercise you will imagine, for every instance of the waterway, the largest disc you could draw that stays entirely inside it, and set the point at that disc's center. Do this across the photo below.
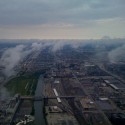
(38, 105)
(4, 93)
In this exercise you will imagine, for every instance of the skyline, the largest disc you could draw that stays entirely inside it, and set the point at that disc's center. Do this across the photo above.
(62, 19)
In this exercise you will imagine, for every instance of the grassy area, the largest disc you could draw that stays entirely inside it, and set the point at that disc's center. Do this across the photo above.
(24, 85)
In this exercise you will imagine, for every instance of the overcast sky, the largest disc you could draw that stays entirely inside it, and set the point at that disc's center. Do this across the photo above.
(62, 19)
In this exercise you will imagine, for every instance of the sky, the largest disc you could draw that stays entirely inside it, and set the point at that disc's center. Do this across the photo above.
(62, 19)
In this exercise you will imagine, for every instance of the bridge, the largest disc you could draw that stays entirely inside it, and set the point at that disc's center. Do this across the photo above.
(40, 98)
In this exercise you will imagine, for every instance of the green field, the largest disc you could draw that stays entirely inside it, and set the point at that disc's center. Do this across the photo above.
(23, 85)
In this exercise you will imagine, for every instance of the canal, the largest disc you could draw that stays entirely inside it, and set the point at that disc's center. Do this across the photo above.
(38, 105)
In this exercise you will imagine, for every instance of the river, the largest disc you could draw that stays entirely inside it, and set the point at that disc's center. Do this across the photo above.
(38, 105)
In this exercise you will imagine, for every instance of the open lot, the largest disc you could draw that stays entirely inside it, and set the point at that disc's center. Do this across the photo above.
(24, 85)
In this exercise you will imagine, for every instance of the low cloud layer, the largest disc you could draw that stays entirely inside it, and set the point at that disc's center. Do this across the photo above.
(11, 57)
(117, 55)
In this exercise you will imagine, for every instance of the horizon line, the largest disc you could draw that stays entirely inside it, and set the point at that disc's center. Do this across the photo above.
(60, 39)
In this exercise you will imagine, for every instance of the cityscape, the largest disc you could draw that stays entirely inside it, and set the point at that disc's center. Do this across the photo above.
(70, 83)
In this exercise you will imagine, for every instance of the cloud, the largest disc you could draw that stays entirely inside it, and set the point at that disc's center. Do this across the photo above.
(61, 19)
(117, 55)
(60, 44)
(36, 46)
(11, 57)
(34, 12)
